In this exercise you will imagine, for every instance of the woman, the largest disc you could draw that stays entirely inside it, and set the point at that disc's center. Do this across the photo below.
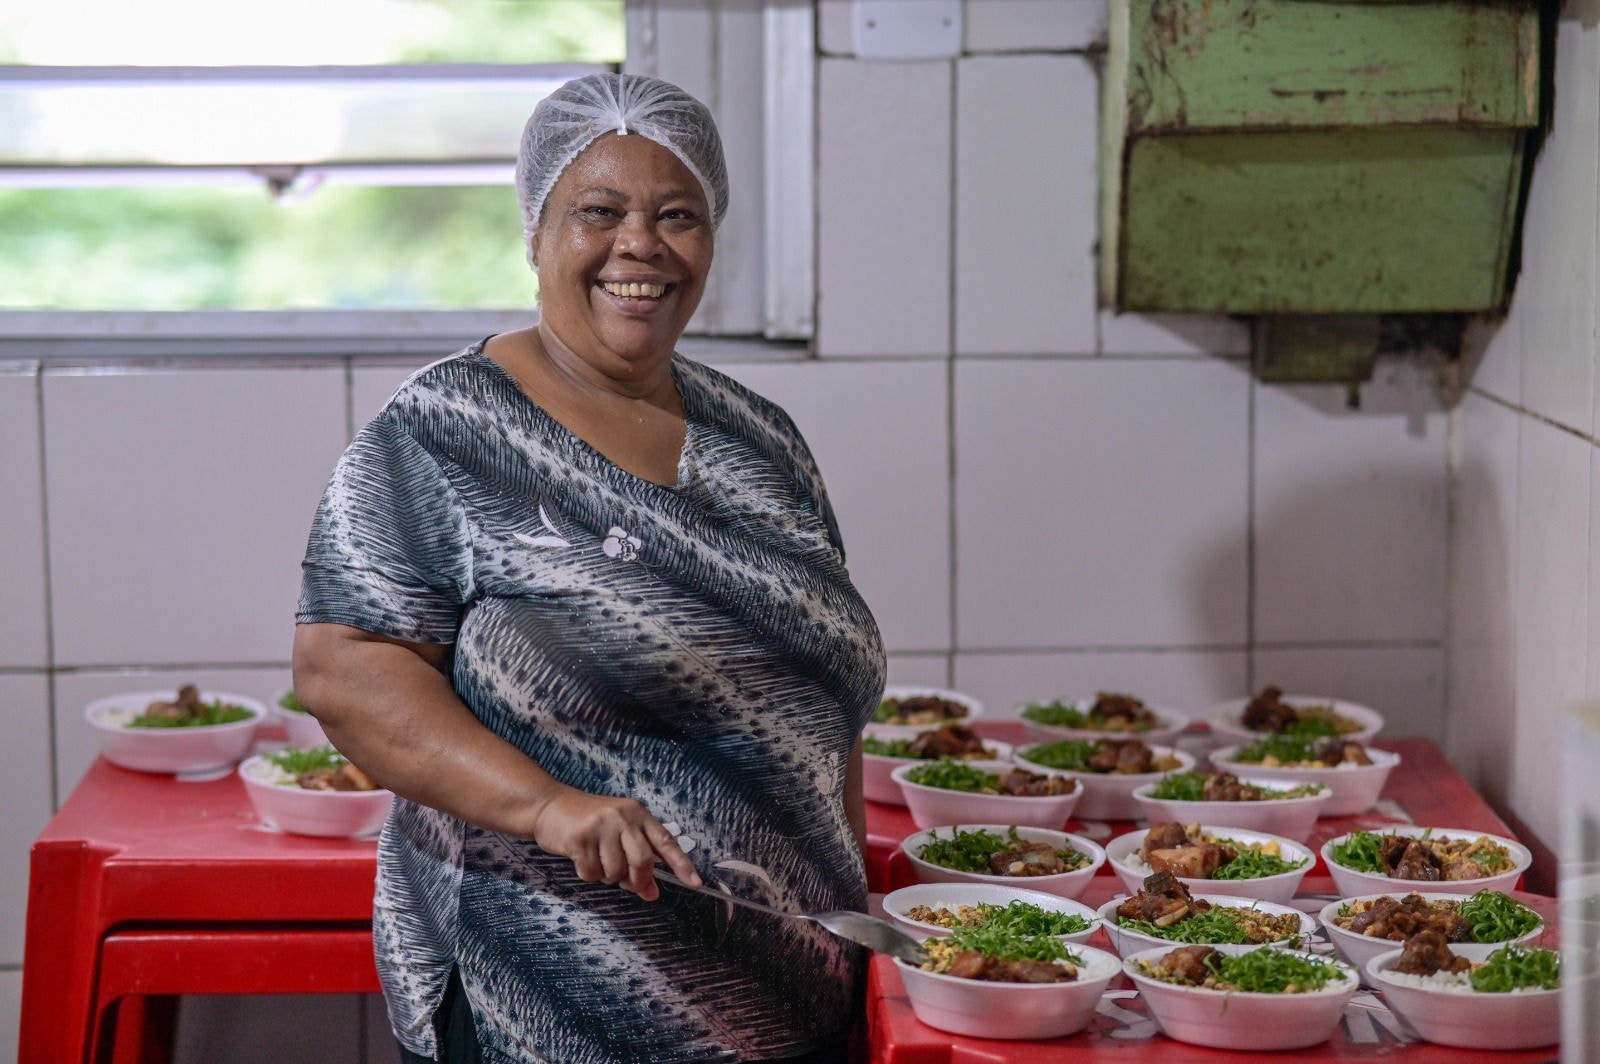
(581, 604)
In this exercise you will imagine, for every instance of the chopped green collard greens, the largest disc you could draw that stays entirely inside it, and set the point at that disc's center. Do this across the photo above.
(1517, 968)
(295, 761)
(1497, 917)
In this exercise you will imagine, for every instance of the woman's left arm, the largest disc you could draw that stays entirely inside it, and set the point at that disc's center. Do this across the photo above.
(855, 804)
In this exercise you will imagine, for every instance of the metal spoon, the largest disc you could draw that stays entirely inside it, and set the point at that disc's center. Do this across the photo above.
(869, 931)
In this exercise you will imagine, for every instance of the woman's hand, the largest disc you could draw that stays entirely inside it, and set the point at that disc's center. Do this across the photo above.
(610, 840)
(388, 706)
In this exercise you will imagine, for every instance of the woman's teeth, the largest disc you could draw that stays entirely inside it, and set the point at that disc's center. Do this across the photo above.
(635, 291)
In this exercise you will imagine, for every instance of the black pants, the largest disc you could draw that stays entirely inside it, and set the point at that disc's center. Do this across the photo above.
(458, 1040)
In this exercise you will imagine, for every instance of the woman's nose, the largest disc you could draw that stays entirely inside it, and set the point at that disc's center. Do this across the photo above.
(638, 237)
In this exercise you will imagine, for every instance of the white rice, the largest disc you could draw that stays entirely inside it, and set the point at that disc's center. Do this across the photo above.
(1450, 983)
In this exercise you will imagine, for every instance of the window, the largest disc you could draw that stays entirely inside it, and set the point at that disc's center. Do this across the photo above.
(311, 156)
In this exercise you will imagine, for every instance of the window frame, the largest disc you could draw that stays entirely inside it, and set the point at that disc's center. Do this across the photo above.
(763, 280)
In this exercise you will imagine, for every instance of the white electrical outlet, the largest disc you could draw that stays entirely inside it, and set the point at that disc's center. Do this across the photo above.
(906, 29)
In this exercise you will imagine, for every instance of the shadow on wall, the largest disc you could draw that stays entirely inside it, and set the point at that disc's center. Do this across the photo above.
(1347, 544)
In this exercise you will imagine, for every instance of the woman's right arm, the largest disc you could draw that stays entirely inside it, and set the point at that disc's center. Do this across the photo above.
(388, 706)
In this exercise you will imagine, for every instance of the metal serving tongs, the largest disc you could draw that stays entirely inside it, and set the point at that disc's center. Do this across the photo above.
(877, 935)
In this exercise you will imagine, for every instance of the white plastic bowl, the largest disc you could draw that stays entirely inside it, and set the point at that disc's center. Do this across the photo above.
(1523, 1019)
(1010, 1010)
(876, 782)
(293, 809)
(1232, 1019)
(1225, 717)
(1170, 724)
(302, 729)
(950, 895)
(189, 750)
(934, 806)
(1355, 787)
(1107, 795)
(1064, 885)
(1358, 949)
(1293, 818)
(1122, 854)
(1127, 941)
(1351, 883)
(973, 706)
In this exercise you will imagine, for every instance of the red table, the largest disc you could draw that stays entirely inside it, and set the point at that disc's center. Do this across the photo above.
(148, 885)
(144, 885)
(1426, 789)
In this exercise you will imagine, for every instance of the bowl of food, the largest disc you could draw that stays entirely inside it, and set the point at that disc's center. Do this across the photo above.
(1054, 862)
(1108, 770)
(1364, 926)
(1473, 995)
(314, 791)
(1165, 913)
(1209, 859)
(886, 747)
(933, 910)
(299, 726)
(1106, 716)
(1226, 800)
(1242, 997)
(1354, 772)
(1272, 712)
(1017, 987)
(948, 791)
(189, 731)
(926, 707)
(1370, 862)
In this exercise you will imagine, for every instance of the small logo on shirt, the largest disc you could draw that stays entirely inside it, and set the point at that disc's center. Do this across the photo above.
(619, 544)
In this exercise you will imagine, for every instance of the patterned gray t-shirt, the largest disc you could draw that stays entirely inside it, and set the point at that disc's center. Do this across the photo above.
(698, 647)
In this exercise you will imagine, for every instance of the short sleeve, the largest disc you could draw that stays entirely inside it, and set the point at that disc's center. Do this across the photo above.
(389, 550)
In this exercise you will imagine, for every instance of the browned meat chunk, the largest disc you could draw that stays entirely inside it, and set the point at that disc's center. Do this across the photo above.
(1021, 782)
(1028, 859)
(1113, 707)
(970, 964)
(1188, 963)
(1397, 919)
(1337, 751)
(1162, 901)
(1226, 787)
(1267, 712)
(1163, 835)
(1407, 858)
(1427, 952)
(1190, 862)
(952, 740)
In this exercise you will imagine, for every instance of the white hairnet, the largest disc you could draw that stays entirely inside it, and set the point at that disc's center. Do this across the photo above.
(582, 110)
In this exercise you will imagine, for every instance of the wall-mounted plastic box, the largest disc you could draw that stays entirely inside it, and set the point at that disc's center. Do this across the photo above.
(1316, 156)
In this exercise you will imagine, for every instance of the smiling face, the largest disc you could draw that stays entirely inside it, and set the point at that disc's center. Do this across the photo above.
(622, 250)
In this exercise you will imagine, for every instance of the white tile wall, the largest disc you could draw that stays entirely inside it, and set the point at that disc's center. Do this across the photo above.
(881, 438)
(1552, 610)
(1482, 684)
(25, 767)
(1100, 503)
(1405, 684)
(1186, 682)
(1034, 25)
(919, 670)
(833, 27)
(1025, 206)
(10, 1010)
(883, 210)
(1557, 291)
(1492, 350)
(1350, 515)
(372, 385)
(22, 589)
(178, 508)
(1592, 687)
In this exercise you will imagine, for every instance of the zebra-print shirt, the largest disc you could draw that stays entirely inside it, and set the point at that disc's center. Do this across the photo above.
(698, 647)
